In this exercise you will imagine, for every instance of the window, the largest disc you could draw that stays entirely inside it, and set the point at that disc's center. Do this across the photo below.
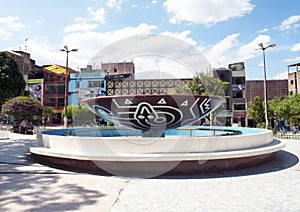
(94, 84)
(115, 70)
(239, 107)
(292, 82)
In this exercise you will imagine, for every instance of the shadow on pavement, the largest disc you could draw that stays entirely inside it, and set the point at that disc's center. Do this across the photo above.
(31, 187)
(281, 160)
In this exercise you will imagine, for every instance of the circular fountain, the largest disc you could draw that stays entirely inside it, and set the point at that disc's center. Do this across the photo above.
(155, 135)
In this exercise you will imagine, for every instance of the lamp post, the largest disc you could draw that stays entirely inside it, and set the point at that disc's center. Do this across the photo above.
(66, 49)
(265, 80)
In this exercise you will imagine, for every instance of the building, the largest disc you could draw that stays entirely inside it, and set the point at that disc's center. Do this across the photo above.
(92, 82)
(117, 86)
(239, 107)
(275, 88)
(86, 85)
(294, 78)
(54, 91)
(225, 75)
(117, 69)
(25, 64)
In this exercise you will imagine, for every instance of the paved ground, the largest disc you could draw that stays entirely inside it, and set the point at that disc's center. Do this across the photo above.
(27, 186)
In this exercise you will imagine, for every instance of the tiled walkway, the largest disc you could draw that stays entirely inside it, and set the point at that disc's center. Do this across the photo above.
(27, 186)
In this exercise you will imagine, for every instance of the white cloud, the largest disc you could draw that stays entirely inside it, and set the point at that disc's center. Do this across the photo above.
(49, 53)
(8, 25)
(98, 15)
(220, 54)
(290, 60)
(250, 50)
(207, 12)
(290, 23)
(39, 21)
(154, 2)
(83, 27)
(263, 30)
(184, 36)
(281, 76)
(89, 43)
(87, 24)
(115, 4)
(5, 34)
(296, 47)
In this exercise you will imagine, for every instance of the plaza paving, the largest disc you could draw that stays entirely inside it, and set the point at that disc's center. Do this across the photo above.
(28, 186)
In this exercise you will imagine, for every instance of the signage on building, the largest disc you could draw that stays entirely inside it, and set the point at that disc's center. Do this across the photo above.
(224, 114)
(242, 113)
(238, 101)
(238, 87)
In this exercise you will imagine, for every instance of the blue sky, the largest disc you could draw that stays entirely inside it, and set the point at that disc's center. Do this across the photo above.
(224, 31)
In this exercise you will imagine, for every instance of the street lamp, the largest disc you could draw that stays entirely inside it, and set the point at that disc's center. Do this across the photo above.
(65, 49)
(265, 80)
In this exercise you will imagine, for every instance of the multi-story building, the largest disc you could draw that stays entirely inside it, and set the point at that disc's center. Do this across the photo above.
(239, 108)
(225, 75)
(86, 85)
(54, 90)
(92, 82)
(119, 68)
(294, 78)
(25, 64)
(275, 88)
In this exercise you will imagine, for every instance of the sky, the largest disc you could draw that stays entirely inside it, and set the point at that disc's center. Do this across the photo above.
(222, 31)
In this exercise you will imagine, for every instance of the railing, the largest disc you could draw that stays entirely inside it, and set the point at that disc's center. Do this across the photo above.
(288, 136)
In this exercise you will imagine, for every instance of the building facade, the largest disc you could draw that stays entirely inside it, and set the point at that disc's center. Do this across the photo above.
(294, 78)
(54, 91)
(86, 85)
(275, 88)
(225, 75)
(117, 86)
(93, 82)
(25, 64)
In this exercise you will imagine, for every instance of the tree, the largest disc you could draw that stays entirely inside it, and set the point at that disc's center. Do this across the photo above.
(295, 110)
(47, 113)
(256, 110)
(79, 114)
(12, 82)
(286, 109)
(82, 115)
(23, 108)
(203, 84)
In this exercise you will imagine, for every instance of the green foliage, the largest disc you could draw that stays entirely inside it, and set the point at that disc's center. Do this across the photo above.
(79, 114)
(47, 113)
(11, 79)
(256, 110)
(110, 124)
(69, 111)
(23, 108)
(286, 109)
(295, 110)
(203, 84)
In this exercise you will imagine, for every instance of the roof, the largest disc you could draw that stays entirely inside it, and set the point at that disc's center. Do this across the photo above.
(57, 69)
(296, 64)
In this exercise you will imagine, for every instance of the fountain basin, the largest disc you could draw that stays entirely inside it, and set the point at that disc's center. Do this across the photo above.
(208, 149)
